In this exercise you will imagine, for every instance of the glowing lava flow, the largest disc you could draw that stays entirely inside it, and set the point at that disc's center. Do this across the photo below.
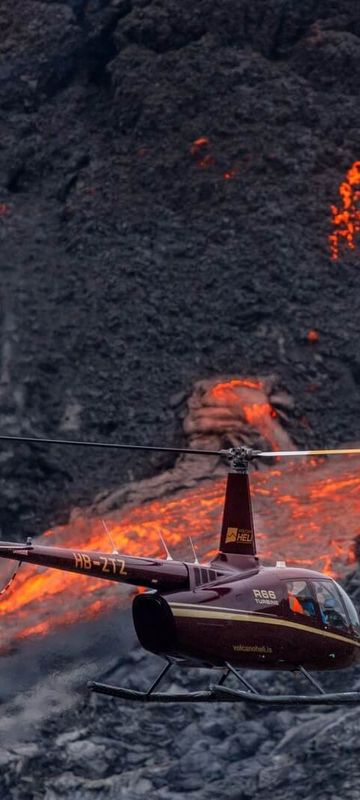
(346, 218)
(258, 414)
(305, 513)
(201, 151)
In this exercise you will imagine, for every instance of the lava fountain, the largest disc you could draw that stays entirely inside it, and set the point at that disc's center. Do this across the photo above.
(306, 512)
(346, 216)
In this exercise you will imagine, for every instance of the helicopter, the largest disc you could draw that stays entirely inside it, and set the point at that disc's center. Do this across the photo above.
(228, 614)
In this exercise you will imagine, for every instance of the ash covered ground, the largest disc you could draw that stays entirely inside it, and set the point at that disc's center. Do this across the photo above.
(135, 262)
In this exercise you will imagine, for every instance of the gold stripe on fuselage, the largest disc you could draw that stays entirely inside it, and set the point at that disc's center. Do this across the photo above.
(216, 612)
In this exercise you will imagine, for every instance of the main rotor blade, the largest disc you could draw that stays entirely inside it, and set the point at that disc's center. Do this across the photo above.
(246, 452)
(110, 445)
(291, 453)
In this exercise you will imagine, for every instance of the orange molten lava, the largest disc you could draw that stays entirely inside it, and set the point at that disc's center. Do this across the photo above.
(225, 391)
(346, 218)
(305, 513)
(312, 336)
(258, 415)
(200, 150)
(198, 144)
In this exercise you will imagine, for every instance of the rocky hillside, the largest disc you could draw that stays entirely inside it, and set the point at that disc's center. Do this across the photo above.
(166, 177)
(165, 188)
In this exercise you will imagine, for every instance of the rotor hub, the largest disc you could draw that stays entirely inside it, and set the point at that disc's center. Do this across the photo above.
(239, 457)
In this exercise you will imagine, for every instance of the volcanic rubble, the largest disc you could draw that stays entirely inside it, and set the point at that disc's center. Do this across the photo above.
(166, 178)
(107, 749)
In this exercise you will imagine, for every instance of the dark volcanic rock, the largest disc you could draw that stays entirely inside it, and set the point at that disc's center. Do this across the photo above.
(134, 262)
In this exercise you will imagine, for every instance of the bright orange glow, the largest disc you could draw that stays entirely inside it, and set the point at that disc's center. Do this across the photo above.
(255, 413)
(306, 513)
(198, 144)
(346, 217)
(206, 162)
(68, 618)
(312, 336)
(225, 391)
(200, 149)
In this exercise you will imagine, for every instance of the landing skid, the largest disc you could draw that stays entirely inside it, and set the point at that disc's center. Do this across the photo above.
(221, 693)
(157, 697)
(343, 698)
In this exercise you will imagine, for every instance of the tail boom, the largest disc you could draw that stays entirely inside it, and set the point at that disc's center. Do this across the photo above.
(149, 572)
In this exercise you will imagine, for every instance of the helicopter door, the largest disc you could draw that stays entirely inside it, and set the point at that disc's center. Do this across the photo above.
(332, 610)
(301, 602)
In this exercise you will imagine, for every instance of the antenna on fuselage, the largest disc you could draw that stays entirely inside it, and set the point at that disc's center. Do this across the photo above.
(196, 560)
(168, 554)
(114, 548)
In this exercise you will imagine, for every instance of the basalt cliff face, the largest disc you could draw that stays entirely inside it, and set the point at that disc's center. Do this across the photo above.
(167, 178)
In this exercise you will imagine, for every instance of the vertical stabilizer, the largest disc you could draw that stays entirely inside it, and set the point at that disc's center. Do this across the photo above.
(237, 532)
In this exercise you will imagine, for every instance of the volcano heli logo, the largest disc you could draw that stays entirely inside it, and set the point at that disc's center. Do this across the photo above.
(239, 535)
(346, 217)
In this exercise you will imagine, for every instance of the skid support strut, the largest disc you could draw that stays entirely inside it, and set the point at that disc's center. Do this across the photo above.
(240, 678)
(129, 694)
(312, 680)
(159, 678)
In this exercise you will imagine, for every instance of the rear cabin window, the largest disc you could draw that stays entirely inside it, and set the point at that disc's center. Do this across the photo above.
(331, 608)
(300, 598)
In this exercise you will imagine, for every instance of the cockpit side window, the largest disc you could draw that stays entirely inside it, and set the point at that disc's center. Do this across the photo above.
(331, 608)
(300, 598)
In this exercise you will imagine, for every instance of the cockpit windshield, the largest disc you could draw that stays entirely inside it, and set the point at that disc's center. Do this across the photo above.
(351, 610)
(331, 608)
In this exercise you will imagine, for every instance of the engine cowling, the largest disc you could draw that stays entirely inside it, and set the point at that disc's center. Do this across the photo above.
(154, 623)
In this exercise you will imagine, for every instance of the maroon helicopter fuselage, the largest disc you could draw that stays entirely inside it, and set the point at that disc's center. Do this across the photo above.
(248, 620)
(230, 610)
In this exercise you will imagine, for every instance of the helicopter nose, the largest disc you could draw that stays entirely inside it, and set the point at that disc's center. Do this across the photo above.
(154, 623)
